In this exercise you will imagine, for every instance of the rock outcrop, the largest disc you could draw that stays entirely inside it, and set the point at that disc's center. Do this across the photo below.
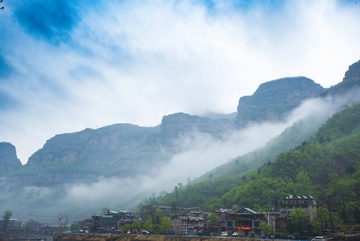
(181, 124)
(273, 100)
(9, 162)
(351, 81)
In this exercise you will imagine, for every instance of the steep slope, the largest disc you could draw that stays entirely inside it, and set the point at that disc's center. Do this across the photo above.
(291, 137)
(82, 156)
(9, 162)
(122, 150)
(326, 168)
(273, 100)
(181, 124)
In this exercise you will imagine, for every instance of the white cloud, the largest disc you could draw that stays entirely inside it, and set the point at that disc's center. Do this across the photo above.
(148, 59)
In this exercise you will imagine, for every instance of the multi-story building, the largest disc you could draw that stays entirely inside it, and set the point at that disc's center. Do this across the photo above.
(112, 221)
(243, 219)
(13, 224)
(187, 224)
(48, 230)
(307, 203)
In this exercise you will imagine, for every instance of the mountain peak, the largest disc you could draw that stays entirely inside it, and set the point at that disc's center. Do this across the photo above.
(273, 100)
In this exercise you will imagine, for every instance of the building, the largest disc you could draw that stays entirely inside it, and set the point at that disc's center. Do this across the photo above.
(245, 219)
(85, 224)
(188, 224)
(275, 219)
(112, 221)
(48, 230)
(169, 210)
(307, 203)
(13, 224)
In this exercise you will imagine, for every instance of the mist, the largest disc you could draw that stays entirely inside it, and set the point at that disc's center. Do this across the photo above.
(201, 153)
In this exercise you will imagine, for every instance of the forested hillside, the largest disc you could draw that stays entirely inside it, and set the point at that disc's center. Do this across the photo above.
(291, 137)
(326, 167)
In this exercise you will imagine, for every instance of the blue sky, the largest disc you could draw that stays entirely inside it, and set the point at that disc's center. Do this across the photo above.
(68, 65)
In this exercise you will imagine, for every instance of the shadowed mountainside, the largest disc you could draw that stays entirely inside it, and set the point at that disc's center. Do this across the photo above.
(273, 100)
(9, 162)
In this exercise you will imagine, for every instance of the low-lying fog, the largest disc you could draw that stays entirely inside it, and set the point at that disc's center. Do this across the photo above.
(202, 153)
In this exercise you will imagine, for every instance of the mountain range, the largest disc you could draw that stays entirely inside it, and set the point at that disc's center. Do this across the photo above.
(130, 151)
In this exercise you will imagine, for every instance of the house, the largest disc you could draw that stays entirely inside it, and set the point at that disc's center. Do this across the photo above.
(85, 224)
(198, 214)
(245, 219)
(112, 221)
(275, 219)
(48, 230)
(13, 224)
(187, 224)
(307, 203)
(172, 210)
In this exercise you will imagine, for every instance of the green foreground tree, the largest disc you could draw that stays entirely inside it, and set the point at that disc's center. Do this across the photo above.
(74, 227)
(295, 224)
(6, 217)
(265, 228)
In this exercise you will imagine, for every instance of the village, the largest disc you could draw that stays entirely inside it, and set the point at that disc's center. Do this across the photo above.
(184, 221)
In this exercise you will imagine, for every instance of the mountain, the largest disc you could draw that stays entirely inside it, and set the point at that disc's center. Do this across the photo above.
(9, 162)
(291, 137)
(273, 100)
(350, 81)
(215, 116)
(122, 150)
(112, 150)
(307, 158)
(326, 166)
(127, 150)
(180, 125)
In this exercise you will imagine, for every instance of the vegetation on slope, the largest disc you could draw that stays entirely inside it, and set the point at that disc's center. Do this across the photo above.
(326, 168)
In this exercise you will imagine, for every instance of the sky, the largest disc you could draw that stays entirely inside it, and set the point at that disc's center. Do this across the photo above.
(68, 65)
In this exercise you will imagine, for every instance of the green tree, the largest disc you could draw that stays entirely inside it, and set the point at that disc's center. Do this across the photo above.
(125, 228)
(27, 228)
(6, 217)
(295, 224)
(265, 228)
(357, 215)
(213, 220)
(343, 215)
(149, 225)
(323, 217)
(302, 183)
(166, 225)
(136, 225)
(74, 227)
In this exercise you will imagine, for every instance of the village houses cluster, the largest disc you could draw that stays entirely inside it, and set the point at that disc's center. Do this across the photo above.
(191, 221)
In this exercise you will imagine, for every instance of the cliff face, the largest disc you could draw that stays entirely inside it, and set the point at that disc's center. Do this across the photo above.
(9, 162)
(350, 81)
(100, 147)
(127, 150)
(181, 124)
(116, 150)
(273, 100)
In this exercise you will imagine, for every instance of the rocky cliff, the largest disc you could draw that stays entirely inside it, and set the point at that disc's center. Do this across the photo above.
(9, 162)
(273, 100)
(127, 150)
(123, 150)
(351, 81)
(116, 150)
(181, 124)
